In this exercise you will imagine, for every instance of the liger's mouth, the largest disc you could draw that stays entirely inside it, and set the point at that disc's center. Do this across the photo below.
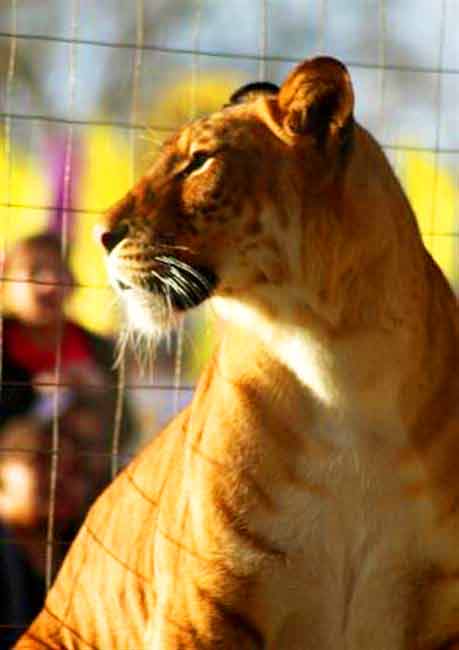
(179, 284)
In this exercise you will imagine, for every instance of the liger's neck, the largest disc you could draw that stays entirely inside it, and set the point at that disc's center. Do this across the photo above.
(377, 374)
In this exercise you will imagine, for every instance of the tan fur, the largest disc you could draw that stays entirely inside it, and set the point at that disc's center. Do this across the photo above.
(308, 497)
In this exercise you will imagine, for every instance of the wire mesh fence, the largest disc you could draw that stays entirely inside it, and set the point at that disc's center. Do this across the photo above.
(89, 90)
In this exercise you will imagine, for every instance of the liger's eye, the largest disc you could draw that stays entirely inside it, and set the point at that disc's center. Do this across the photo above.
(198, 159)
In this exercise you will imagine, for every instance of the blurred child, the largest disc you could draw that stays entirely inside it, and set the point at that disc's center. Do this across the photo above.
(38, 338)
(25, 491)
(36, 335)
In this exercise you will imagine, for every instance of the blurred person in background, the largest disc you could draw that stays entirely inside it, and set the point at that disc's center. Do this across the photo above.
(83, 470)
(40, 343)
(37, 285)
(25, 489)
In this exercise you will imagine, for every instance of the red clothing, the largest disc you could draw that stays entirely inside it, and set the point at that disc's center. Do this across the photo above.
(27, 353)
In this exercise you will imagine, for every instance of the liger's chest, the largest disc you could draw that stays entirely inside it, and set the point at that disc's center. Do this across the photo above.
(356, 523)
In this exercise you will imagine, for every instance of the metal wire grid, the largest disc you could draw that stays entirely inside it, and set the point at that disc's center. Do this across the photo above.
(133, 126)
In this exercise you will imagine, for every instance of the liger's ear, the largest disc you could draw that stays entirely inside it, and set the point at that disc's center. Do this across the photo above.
(317, 99)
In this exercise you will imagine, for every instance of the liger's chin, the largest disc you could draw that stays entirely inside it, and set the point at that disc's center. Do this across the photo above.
(156, 298)
(148, 314)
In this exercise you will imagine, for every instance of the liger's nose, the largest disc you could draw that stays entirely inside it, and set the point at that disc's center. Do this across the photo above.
(111, 238)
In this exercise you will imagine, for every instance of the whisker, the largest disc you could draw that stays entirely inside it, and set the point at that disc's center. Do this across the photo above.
(161, 295)
(177, 267)
(170, 247)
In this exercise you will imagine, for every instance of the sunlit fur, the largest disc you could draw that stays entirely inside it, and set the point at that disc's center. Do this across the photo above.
(307, 499)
